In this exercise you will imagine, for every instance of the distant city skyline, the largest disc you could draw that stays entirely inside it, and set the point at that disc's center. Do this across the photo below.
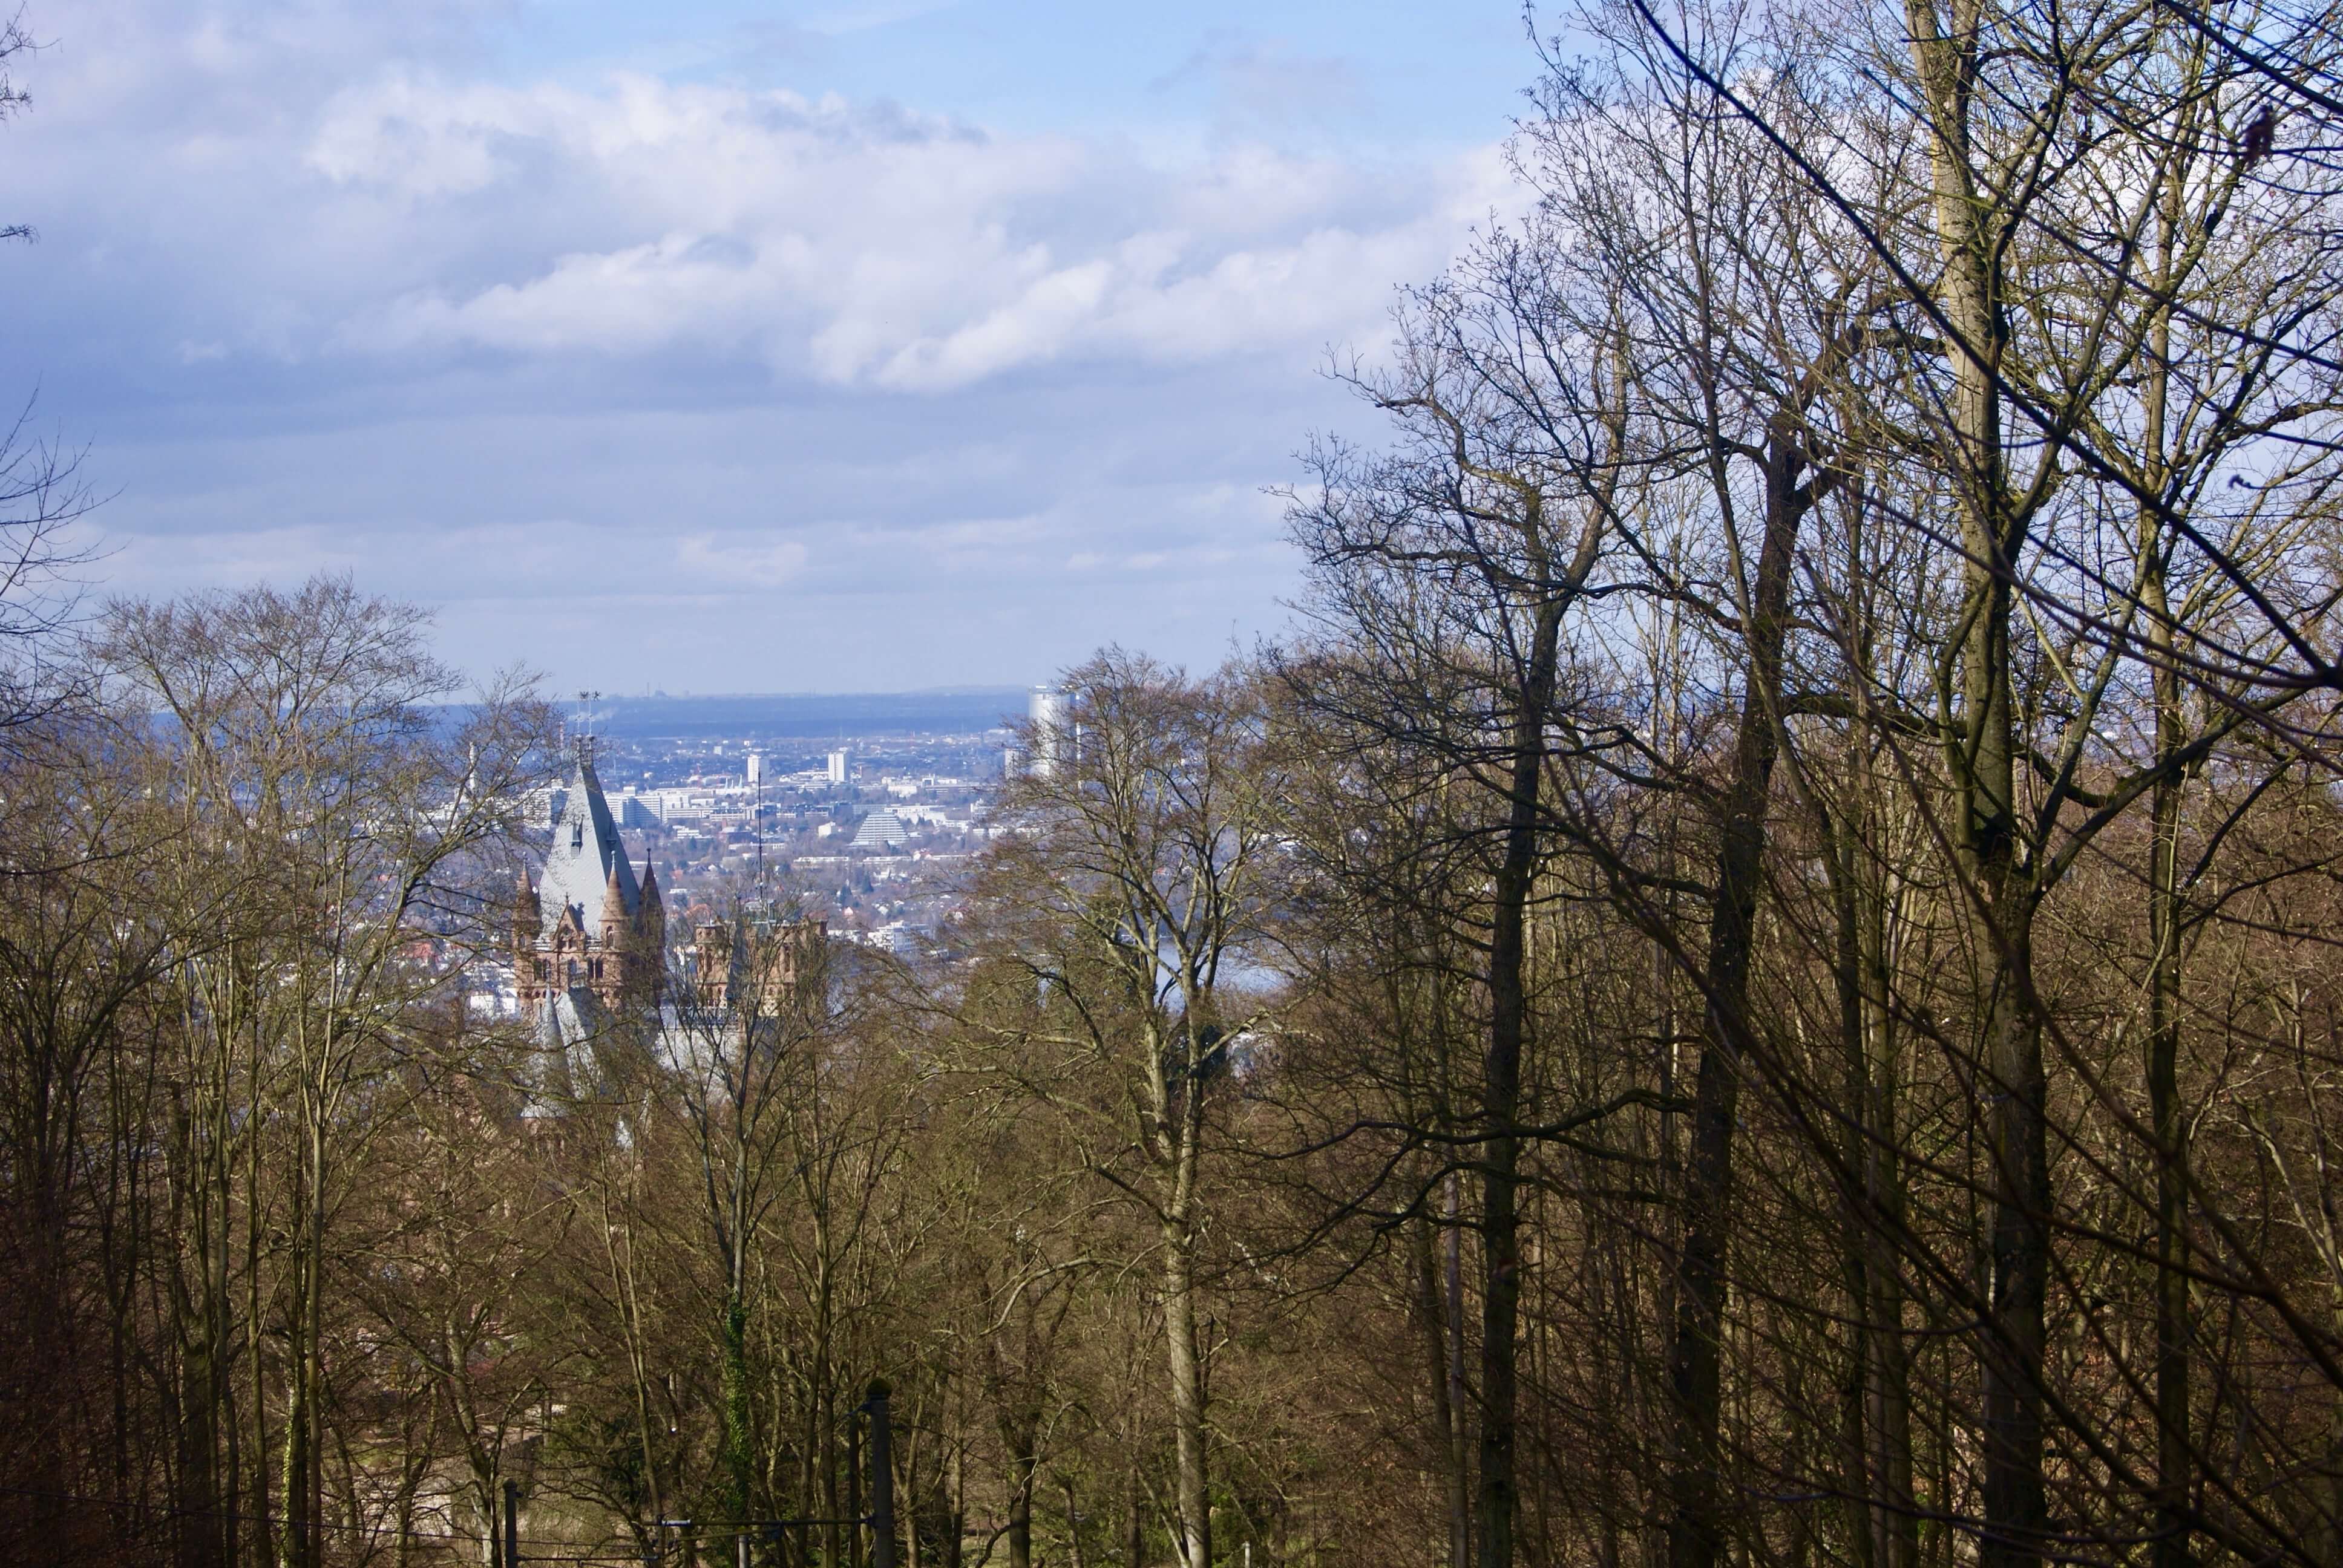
(862, 347)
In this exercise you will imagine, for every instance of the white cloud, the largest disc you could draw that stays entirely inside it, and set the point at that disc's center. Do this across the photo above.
(331, 285)
(733, 566)
(907, 254)
(267, 183)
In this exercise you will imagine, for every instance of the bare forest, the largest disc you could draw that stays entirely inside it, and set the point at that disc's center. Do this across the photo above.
(1756, 981)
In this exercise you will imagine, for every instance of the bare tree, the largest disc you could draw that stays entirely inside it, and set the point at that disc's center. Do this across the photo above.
(1131, 885)
(290, 740)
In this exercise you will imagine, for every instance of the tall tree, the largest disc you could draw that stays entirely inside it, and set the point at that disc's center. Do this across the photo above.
(1132, 887)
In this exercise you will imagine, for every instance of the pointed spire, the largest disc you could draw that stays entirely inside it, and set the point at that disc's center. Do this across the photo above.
(614, 901)
(647, 962)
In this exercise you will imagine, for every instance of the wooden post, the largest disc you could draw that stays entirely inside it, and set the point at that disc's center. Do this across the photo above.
(512, 1525)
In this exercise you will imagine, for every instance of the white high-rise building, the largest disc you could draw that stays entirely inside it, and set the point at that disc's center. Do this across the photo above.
(756, 769)
(1053, 741)
(836, 766)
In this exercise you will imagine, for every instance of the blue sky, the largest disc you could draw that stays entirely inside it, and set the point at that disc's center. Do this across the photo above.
(853, 346)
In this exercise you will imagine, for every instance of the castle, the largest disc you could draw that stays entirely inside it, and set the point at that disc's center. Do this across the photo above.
(589, 940)
(586, 927)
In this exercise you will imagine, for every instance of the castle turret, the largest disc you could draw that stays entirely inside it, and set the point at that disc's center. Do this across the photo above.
(652, 918)
(611, 958)
(528, 919)
(712, 963)
(615, 918)
(648, 965)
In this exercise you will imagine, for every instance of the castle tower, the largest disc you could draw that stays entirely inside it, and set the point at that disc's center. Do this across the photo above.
(711, 963)
(578, 929)
(757, 963)
(528, 917)
(609, 970)
(649, 960)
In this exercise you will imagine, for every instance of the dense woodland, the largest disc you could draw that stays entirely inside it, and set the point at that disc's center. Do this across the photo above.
(1756, 981)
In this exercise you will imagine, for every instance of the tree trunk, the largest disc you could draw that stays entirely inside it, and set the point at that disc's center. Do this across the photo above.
(1882, 1436)
(264, 1533)
(1980, 742)
(1888, 1379)
(1019, 1432)
(1135, 1521)
(1440, 1288)
(1501, 1090)
(1192, 1495)
(1696, 1530)
(1459, 1430)
(1860, 1485)
(2174, 1469)
(738, 1460)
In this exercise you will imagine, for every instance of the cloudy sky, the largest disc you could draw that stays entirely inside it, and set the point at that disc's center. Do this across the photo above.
(732, 345)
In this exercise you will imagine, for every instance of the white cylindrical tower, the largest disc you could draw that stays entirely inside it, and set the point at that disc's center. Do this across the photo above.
(1054, 744)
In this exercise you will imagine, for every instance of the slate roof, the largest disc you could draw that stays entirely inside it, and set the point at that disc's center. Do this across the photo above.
(565, 1028)
(585, 852)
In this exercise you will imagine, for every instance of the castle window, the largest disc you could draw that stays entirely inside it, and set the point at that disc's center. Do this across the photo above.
(573, 971)
(598, 968)
(576, 834)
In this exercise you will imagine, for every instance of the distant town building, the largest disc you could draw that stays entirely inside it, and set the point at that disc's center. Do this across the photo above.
(678, 806)
(640, 810)
(837, 765)
(547, 805)
(893, 937)
(756, 769)
(1050, 710)
(880, 831)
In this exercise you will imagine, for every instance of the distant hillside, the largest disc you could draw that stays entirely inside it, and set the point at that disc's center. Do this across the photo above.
(808, 715)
